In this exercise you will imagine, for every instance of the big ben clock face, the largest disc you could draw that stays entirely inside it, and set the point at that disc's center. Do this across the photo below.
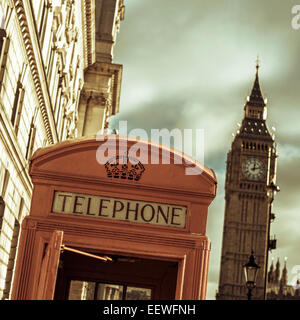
(253, 169)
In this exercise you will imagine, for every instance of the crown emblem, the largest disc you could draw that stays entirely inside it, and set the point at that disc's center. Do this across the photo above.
(124, 167)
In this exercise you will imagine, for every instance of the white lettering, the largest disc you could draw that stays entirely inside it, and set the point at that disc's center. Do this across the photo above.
(120, 310)
(107, 150)
(140, 150)
(296, 19)
(166, 135)
(174, 309)
(191, 309)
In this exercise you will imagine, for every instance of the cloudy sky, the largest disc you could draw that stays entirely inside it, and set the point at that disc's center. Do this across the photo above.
(191, 64)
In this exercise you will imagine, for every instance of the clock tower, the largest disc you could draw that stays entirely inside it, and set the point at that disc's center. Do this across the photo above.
(249, 191)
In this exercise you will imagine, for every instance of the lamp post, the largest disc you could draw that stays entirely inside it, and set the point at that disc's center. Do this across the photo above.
(251, 269)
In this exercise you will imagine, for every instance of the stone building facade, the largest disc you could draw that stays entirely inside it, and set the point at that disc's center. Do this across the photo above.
(278, 287)
(57, 81)
(249, 192)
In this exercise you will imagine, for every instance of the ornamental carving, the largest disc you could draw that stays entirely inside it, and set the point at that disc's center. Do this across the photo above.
(120, 15)
(124, 167)
(71, 114)
(108, 112)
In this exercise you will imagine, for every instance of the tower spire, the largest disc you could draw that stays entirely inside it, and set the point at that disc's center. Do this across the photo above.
(284, 274)
(256, 98)
(277, 272)
(257, 64)
(271, 273)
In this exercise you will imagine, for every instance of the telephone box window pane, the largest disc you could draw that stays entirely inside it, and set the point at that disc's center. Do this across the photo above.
(81, 290)
(106, 291)
(133, 293)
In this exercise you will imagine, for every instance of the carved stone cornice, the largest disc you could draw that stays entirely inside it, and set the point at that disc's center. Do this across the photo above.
(112, 72)
(89, 31)
(121, 15)
(38, 77)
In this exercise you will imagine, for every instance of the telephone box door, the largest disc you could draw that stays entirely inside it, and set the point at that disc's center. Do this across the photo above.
(49, 267)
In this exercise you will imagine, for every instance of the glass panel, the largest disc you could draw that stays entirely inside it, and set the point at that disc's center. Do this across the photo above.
(84, 290)
(133, 293)
(81, 290)
(106, 291)
(251, 274)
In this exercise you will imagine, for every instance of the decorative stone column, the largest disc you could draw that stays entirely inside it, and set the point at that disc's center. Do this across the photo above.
(100, 96)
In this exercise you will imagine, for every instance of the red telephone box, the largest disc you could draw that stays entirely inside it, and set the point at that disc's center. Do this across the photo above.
(114, 230)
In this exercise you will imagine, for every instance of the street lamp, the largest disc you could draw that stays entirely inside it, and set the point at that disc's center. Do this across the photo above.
(251, 269)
